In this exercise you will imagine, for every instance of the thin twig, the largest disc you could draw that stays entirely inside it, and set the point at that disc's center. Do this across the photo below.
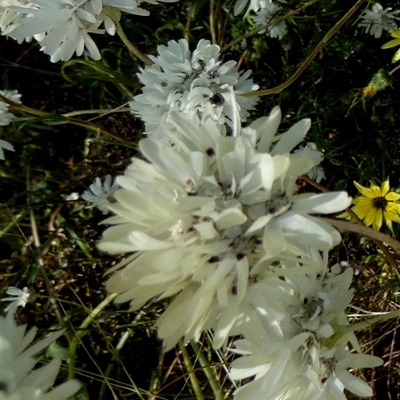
(82, 331)
(72, 121)
(112, 14)
(310, 58)
(40, 261)
(274, 22)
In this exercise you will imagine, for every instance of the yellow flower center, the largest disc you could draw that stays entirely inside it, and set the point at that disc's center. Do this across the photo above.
(380, 203)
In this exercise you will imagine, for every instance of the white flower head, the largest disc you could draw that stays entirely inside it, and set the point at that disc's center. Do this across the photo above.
(191, 82)
(101, 194)
(18, 381)
(20, 297)
(266, 15)
(10, 18)
(65, 25)
(298, 358)
(204, 214)
(378, 20)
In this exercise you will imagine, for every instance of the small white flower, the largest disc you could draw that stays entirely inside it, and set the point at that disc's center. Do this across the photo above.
(5, 145)
(317, 173)
(266, 15)
(5, 116)
(378, 19)
(191, 83)
(100, 194)
(18, 380)
(20, 298)
(255, 5)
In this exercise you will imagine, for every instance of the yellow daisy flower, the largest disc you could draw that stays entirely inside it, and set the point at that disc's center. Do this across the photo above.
(376, 204)
(393, 43)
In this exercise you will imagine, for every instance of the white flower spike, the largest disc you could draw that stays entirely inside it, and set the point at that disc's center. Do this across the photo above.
(193, 83)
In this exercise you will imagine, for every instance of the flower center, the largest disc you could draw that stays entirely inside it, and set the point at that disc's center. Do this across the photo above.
(327, 366)
(380, 203)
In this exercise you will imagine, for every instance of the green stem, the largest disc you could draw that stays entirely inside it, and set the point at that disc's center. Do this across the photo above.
(15, 220)
(310, 58)
(192, 376)
(61, 118)
(111, 13)
(208, 371)
(358, 326)
(82, 331)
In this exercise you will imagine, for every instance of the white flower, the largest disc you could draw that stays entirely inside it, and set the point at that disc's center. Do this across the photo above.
(317, 173)
(10, 19)
(255, 5)
(5, 145)
(100, 194)
(266, 15)
(206, 212)
(189, 82)
(296, 354)
(378, 19)
(20, 298)
(67, 24)
(18, 381)
(333, 375)
(5, 116)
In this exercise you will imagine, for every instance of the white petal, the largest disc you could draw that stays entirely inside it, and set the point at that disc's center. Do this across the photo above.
(324, 203)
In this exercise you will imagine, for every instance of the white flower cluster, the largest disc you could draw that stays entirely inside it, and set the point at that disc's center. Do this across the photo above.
(265, 15)
(207, 215)
(17, 379)
(63, 27)
(180, 80)
(297, 349)
(101, 194)
(378, 20)
(214, 221)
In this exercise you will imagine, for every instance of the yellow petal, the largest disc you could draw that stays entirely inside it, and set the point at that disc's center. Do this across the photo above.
(390, 215)
(362, 206)
(378, 220)
(364, 191)
(396, 56)
(370, 217)
(392, 43)
(376, 190)
(385, 188)
(392, 196)
(394, 209)
(395, 34)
